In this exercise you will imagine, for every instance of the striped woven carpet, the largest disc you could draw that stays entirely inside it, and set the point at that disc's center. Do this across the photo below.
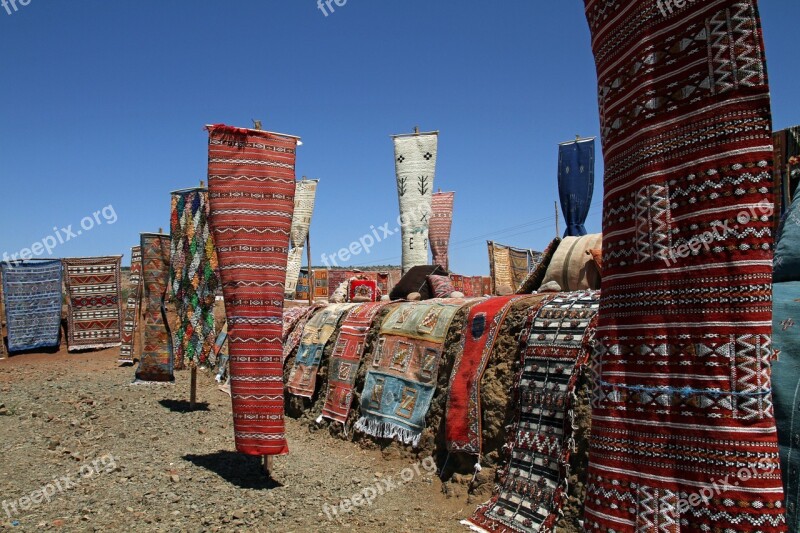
(94, 316)
(130, 316)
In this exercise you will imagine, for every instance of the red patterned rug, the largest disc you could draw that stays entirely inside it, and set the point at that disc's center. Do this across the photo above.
(251, 183)
(463, 418)
(441, 223)
(156, 362)
(94, 317)
(346, 358)
(683, 430)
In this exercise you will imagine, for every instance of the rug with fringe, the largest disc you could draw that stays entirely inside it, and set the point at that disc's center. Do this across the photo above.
(554, 350)
(93, 302)
(32, 297)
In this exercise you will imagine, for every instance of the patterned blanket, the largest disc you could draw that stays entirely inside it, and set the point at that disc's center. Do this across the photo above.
(32, 293)
(156, 361)
(316, 334)
(94, 304)
(682, 363)
(346, 358)
(463, 415)
(131, 314)
(533, 483)
(304, 197)
(404, 367)
(441, 223)
(194, 278)
(415, 166)
(251, 183)
(293, 332)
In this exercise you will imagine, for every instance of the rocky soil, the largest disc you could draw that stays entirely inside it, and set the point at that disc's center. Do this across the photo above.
(111, 456)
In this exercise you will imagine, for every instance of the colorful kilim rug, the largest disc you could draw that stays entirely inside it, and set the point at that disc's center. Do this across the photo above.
(32, 296)
(251, 183)
(337, 277)
(403, 370)
(321, 284)
(682, 363)
(500, 269)
(94, 306)
(487, 285)
(363, 288)
(533, 483)
(302, 286)
(458, 283)
(290, 317)
(156, 361)
(346, 358)
(534, 279)
(316, 335)
(131, 314)
(292, 337)
(415, 166)
(463, 415)
(441, 224)
(477, 285)
(194, 278)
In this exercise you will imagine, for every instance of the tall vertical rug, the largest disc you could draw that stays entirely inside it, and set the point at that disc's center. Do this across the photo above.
(682, 373)
(415, 166)
(251, 183)
(576, 183)
(32, 297)
(94, 303)
(532, 486)
(156, 361)
(304, 198)
(194, 278)
(130, 317)
(441, 224)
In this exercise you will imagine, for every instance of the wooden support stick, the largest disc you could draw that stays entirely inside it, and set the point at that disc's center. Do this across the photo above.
(267, 464)
(558, 232)
(311, 284)
(193, 389)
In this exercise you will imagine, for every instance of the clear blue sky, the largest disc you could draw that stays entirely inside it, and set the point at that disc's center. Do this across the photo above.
(104, 102)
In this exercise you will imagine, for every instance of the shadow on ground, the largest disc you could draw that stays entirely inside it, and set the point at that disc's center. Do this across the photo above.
(244, 471)
(182, 406)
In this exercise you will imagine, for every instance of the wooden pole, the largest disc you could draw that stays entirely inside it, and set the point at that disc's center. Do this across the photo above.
(558, 232)
(193, 389)
(311, 285)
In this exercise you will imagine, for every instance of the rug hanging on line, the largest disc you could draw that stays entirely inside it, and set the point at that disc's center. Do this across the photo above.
(32, 293)
(346, 359)
(194, 278)
(156, 360)
(463, 414)
(305, 195)
(441, 224)
(682, 363)
(415, 166)
(316, 335)
(554, 351)
(403, 370)
(130, 317)
(93, 300)
(251, 183)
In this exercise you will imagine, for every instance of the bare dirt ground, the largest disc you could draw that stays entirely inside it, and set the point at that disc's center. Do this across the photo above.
(99, 454)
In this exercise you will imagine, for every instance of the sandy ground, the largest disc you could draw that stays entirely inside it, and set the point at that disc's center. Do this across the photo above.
(111, 456)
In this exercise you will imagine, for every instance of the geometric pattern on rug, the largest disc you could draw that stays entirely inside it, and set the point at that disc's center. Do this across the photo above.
(156, 360)
(94, 304)
(346, 359)
(683, 353)
(533, 482)
(441, 223)
(32, 296)
(194, 278)
(251, 183)
(130, 317)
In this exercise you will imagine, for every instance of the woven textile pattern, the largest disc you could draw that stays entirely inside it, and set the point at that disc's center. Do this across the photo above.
(304, 197)
(510, 267)
(194, 278)
(321, 284)
(682, 365)
(463, 415)
(316, 335)
(346, 359)
(403, 370)
(156, 362)
(32, 293)
(293, 336)
(251, 183)
(441, 223)
(94, 308)
(290, 317)
(130, 317)
(554, 349)
(415, 166)
(534, 279)
(363, 288)
(2, 314)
